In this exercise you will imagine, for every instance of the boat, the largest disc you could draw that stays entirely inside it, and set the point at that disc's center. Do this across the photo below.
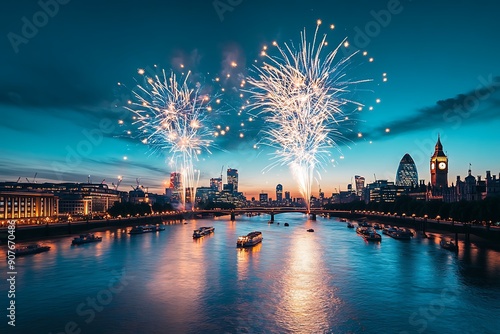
(363, 224)
(142, 229)
(31, 249)
(249, 240)
(376, 226)
(310, 230)
(362, 230)
(343, 220)
(400, 234)
(448, 244)
(350, 225)
(372, 236)
(286, 224)
(407, 230)
(270, 222)
(160, 228)
(203, 231)
(388, 230)
(85, 239)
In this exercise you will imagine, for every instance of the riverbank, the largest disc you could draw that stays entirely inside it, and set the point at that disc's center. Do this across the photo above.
(480, 235)
(32, 232)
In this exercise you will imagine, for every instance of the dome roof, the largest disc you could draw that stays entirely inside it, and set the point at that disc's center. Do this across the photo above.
(407, 159)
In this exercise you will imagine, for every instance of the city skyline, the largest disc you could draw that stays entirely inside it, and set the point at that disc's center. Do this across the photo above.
(58, 95)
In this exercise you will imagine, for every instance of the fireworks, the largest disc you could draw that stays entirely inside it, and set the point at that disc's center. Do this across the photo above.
(172, 117)
(299, 94)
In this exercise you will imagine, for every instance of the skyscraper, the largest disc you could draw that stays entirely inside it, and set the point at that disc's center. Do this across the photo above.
(232, 179)
(360, 185)
(439, 167)
(175, 181)
(175, 186)
(407, 175)
(216, 183)
(263, 198)
(279, 193)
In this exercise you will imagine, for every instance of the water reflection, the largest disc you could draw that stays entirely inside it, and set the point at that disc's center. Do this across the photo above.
(478, 264)
(307, 299)
(246, 259)
(178, 279)
(294, 281)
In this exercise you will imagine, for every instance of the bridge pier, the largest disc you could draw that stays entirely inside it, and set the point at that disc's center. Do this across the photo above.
(233, 216)
(272, 216)
(313, 216)
(467, 233)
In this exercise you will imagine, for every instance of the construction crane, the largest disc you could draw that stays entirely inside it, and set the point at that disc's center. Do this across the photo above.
(118, 183)
(102, 182)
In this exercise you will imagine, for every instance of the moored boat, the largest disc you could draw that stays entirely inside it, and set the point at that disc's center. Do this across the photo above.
(363, 223)
(85, 239)
(350, 225)
(372, 236)
(388, 229)
(31, 249)
(142, 229)
(203, 231)
(448, 244)
(400, 234)
(363, 230)
(251, 239)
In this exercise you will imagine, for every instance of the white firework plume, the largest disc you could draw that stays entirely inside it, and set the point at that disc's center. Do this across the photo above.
(173, 117)
(300, 96)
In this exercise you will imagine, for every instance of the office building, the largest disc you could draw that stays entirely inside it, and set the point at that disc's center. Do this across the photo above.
(407, 175)
(279, 193)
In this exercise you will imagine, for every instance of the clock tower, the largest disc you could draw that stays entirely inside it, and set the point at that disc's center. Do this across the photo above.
(439, 167)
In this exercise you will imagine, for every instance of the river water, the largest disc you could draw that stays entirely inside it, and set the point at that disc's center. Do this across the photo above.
(329, 281)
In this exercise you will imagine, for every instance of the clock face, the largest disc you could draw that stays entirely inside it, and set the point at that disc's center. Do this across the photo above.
(433, 166)
(442, 165)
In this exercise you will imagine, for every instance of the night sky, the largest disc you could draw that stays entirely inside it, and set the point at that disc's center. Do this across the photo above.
(59, 91)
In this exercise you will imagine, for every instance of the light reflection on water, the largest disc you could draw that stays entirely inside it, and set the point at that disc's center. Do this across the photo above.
(293, 282)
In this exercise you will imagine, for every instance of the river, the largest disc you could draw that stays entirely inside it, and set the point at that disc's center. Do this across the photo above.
(329, 281)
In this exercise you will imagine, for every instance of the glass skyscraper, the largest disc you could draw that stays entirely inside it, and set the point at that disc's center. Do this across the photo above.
(279, 193)
(407, 175)
(232, 179)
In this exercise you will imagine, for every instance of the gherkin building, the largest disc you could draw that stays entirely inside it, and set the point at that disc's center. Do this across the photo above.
(407, 175)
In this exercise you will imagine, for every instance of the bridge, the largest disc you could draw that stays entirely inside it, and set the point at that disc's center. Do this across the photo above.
(418, 223)
(270, 211)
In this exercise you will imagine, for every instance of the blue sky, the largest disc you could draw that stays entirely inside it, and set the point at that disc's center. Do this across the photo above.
(59, 93)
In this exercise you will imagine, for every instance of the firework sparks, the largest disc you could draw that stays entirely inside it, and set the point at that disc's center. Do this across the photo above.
(172, 117)
(299, 93)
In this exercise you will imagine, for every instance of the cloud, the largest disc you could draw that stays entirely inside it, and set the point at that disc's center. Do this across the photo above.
(476, 106)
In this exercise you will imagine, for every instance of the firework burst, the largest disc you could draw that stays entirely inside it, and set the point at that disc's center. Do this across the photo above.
(300, 96)
(173, 117)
